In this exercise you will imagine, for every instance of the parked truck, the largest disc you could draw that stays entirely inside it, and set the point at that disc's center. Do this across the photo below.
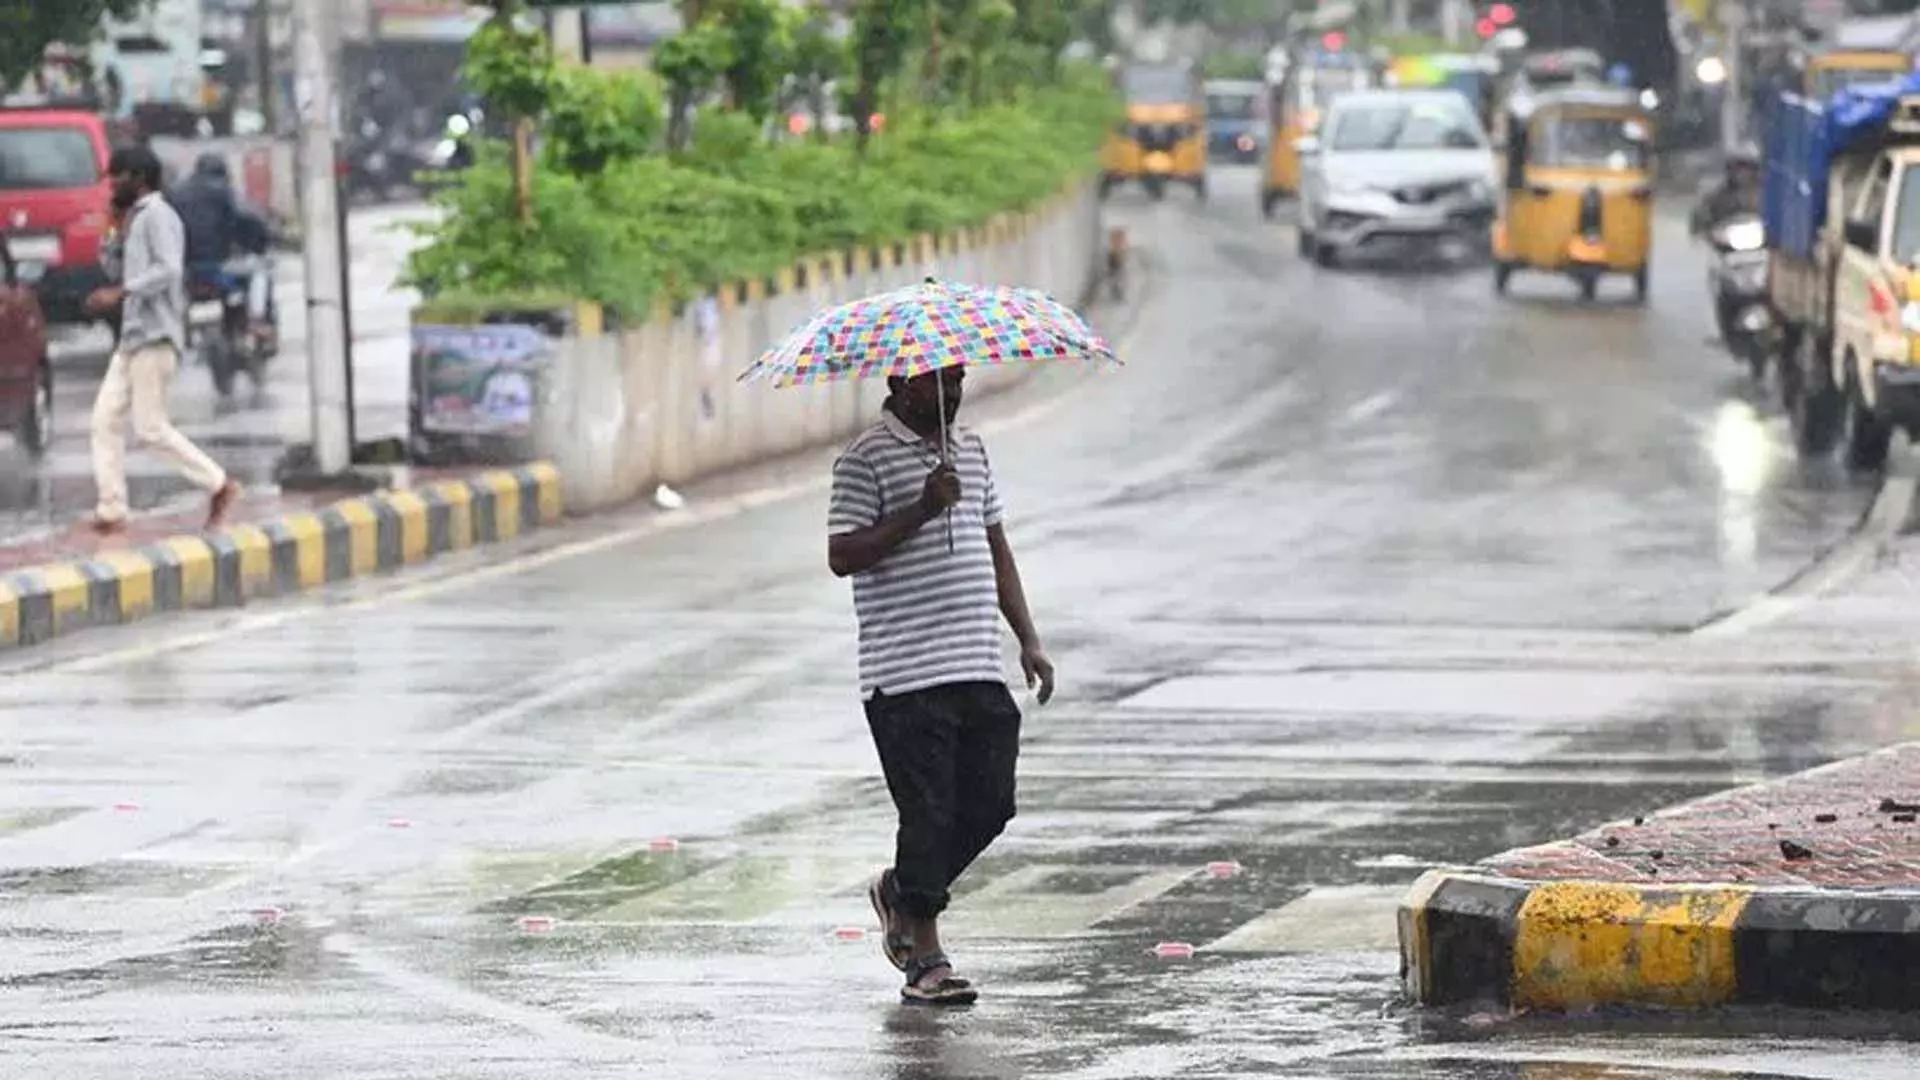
(1841, 209)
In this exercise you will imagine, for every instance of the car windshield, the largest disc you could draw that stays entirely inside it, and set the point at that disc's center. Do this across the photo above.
(1591, 142)
(1157, 86)
(1403, 125)
(1231, 106)
(38, 159)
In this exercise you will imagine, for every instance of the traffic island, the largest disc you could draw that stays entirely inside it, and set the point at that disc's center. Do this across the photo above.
(1803, 891)
(280, 544)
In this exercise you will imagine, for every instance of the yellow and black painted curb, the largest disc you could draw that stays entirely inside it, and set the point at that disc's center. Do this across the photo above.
(1473, 939)
(227, 567)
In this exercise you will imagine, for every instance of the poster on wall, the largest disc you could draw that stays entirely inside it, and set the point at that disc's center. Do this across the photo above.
(479, 380)
(706, 328)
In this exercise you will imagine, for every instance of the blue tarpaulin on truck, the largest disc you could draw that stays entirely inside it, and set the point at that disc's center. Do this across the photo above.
(1802, 139)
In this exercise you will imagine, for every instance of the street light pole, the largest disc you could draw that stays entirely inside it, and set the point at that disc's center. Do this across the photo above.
(1453, 21)
(1733, 17)
(326, 329)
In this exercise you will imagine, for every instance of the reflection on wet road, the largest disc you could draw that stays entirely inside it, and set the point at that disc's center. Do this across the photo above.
(1348, 573)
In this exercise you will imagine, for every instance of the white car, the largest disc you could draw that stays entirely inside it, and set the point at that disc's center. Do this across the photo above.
(1397, 168)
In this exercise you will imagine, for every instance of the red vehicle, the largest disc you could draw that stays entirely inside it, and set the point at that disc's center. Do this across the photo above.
(26, 379)
(55, 203)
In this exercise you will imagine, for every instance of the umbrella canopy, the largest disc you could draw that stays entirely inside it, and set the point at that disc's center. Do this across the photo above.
(927, 327)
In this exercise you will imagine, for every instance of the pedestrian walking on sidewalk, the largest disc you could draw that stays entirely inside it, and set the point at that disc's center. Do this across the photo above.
(929, 595)
(150, 295)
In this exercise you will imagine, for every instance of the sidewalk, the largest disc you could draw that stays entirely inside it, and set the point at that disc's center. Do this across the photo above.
(1803, 891)
(56, 582)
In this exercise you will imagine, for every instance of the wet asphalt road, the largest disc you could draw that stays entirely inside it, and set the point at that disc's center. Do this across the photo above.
(1349, 573)
(249, 431)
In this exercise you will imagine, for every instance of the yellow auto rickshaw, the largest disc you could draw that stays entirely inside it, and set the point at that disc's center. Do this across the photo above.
(1164, 136)
(1823, 74)
(1578, 188)
(1299, 101)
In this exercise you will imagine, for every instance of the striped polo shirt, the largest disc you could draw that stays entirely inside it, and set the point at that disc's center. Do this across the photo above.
(927, 616)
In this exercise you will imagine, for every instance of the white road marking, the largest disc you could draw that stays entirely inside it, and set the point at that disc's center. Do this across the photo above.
(1342, 918)
(1373, 406)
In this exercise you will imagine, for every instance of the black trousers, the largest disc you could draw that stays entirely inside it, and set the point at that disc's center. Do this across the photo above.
(949, 754)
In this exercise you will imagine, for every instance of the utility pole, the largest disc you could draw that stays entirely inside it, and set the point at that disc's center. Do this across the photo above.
(1733, 106)
(320, 211)
(263, 63)
(1453, 21)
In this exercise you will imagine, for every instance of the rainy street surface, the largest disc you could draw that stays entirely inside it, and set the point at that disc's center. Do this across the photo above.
(249, 432)
(1349, 573)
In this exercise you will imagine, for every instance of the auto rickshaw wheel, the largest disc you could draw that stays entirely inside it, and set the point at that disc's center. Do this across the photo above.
(1589, 286)
(1200, 189)
(1303, 241)
(1268, 199)
(1502, 273)
(1814, 406)
(1325, 255)
(1156, 187)
(1640, 286)
(1868, 436)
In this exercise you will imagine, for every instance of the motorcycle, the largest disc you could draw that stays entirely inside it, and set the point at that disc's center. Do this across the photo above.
(455, 150)
(248, 334)
(1737, 281)
(380, 162)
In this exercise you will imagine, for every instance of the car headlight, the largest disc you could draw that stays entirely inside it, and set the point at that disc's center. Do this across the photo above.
(1745, 235)
(1910, 317)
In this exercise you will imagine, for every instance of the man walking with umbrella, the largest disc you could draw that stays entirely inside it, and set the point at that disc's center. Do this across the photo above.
(929, 595)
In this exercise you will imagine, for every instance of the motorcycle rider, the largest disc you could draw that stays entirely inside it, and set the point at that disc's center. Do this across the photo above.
(1737, 193)
(217, 227)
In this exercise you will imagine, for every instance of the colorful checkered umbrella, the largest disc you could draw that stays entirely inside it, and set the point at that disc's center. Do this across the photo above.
(927, 327)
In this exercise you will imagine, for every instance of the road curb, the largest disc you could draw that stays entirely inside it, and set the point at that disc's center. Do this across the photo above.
(356, 537)
(1472, 938)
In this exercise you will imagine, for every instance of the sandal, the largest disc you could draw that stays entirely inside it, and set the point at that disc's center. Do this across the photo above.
(951, 990)
(897, 947)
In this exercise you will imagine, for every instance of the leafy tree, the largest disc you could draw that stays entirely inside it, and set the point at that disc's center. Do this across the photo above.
(758, 55)
(597, 119)
(692, 63)
(882, 31)
(1047, 27)
(27, 27)
(816, 60)
(513, 68)
(987, 52)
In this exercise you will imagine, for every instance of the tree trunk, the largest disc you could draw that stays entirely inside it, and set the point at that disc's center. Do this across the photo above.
(523, 169)
(817, 104)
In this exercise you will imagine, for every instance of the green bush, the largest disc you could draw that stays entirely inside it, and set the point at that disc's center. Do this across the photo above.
(734, 206)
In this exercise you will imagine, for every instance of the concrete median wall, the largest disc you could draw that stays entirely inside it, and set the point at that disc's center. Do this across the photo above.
(624, 410)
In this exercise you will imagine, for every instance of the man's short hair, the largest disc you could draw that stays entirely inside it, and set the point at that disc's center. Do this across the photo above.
(138, 162)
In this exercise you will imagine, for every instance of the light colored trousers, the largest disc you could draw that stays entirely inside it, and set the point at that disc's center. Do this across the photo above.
(136, 383)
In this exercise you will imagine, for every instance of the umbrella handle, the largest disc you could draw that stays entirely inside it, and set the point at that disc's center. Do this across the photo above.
(940, 397)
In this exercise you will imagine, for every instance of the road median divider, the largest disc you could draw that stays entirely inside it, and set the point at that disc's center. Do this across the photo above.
(1803, 891)
(276, 555)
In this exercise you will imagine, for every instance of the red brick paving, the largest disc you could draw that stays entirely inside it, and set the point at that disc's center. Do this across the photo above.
(255, 507)
(1735, 837)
